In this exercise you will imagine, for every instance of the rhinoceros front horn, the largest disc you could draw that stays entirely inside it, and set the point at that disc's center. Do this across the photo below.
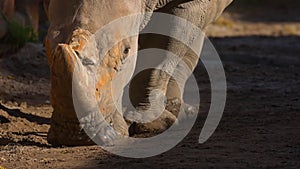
(65, 128)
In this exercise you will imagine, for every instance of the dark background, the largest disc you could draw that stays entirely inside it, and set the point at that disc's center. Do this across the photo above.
(258, 42)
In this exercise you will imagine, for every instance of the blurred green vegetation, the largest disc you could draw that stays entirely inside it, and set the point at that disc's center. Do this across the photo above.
(17, 33)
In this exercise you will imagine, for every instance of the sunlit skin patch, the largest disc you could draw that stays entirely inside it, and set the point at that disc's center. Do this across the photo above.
(77, 41)
(64, 51)
(112, 59)
(62, 61)
(106, 106)
(104, 79)
(79, 38)
(110, 64)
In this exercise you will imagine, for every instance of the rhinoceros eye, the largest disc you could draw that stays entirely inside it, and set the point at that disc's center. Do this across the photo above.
(126, 47)
(126, 50)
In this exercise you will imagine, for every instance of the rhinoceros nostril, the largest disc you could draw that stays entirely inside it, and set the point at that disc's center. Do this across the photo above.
(87, 61)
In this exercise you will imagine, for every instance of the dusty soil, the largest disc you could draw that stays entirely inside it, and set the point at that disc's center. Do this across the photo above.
(260, 127)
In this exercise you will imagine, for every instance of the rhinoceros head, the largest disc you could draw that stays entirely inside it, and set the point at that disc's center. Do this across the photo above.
(91, 51)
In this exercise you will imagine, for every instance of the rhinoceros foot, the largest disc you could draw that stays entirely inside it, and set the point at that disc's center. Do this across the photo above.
(153, 128)
(175, 112)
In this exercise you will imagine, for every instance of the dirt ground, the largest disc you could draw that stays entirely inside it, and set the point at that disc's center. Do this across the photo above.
(260, 127)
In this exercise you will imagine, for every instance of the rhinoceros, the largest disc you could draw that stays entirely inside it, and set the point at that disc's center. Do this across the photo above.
(73, 53)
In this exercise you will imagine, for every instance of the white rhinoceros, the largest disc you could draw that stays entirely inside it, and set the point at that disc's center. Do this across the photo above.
(81, 70)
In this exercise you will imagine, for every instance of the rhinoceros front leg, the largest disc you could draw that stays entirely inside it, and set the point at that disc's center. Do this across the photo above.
(170, 78)
(160, 91)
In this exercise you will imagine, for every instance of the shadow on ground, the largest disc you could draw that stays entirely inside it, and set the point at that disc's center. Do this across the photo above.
(260, 125)
(267, 11)
(19, 114)
(24, 76)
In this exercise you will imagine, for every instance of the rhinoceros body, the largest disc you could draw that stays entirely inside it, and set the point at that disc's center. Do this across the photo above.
(96, 78)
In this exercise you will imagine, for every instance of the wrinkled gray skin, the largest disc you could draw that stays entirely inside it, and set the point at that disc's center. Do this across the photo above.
(91, 15)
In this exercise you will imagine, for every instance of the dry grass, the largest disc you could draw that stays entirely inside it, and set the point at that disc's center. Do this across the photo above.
(291, 29)
(223, 21)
